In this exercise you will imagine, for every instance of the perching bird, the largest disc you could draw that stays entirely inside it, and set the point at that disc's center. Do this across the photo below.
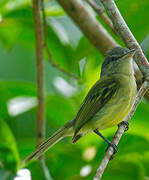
(107, 103)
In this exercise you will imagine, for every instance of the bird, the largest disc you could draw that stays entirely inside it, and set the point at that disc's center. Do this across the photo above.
(106, 105)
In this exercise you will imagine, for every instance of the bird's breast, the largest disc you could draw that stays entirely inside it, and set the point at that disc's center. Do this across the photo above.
(117, 108)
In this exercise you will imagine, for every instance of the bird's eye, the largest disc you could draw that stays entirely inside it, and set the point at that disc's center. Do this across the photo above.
(113, 58)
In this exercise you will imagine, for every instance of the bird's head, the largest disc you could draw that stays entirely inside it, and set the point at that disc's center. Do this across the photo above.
(117, 60)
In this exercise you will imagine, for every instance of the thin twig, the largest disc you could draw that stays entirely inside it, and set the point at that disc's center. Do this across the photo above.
(47, 48)
(89, 25)
(101, 14)
(59, 67)
(45, 170)
(44, 23)
(40, 130)
(120, 131)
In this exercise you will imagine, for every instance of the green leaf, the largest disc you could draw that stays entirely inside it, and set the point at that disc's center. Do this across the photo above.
(52, 8)
(6, 175)
(22, 29)
(62, 42)
(124, 169)
(9, 156)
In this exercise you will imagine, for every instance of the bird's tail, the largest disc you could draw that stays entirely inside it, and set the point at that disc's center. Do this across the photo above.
(64, 131)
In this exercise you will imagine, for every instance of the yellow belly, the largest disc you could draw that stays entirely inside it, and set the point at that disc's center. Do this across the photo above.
(116, 110)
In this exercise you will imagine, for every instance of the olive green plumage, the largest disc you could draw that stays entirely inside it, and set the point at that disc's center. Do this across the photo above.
(107, 103)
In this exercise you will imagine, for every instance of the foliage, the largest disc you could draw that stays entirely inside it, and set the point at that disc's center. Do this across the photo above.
(73, 52)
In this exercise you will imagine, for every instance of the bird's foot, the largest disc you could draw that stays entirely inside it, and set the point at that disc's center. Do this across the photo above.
(125, 123)
(76, 138)
(115, 149)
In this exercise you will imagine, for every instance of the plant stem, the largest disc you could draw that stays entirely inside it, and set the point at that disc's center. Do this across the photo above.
(40, 130)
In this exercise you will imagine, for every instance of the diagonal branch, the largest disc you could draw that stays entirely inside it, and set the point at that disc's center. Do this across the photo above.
(120, 131)
(126, 35)
(130, 41)
(40, 129)
(98, 9)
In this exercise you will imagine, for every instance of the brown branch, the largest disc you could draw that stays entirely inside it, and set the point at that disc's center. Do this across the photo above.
(120, 131)
(40, 130)
(101, 14)
(89, 25)
(130, 41)
(48, 50)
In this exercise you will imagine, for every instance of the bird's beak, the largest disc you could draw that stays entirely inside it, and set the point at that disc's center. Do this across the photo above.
(130, 54)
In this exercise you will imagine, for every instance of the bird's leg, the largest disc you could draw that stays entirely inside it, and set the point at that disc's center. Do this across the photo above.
(106, 140)
(76, 138)
(125, 123)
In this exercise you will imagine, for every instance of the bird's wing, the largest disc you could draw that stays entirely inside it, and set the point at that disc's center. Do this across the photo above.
(97, 97)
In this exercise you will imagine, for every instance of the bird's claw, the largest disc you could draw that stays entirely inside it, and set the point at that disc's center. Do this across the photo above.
(125, 123)
(115, 149)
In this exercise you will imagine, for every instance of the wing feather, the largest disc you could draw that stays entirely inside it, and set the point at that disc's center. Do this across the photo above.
(97, 97)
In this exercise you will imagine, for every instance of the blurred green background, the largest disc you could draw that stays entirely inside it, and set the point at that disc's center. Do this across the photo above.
(73, 52)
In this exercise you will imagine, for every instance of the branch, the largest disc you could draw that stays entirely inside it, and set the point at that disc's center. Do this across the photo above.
(40, 130)
(45, 170)
(89, 25)
(48, 50)
(126, 35)
(130, 41)
(120, 131)
(101, 14)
